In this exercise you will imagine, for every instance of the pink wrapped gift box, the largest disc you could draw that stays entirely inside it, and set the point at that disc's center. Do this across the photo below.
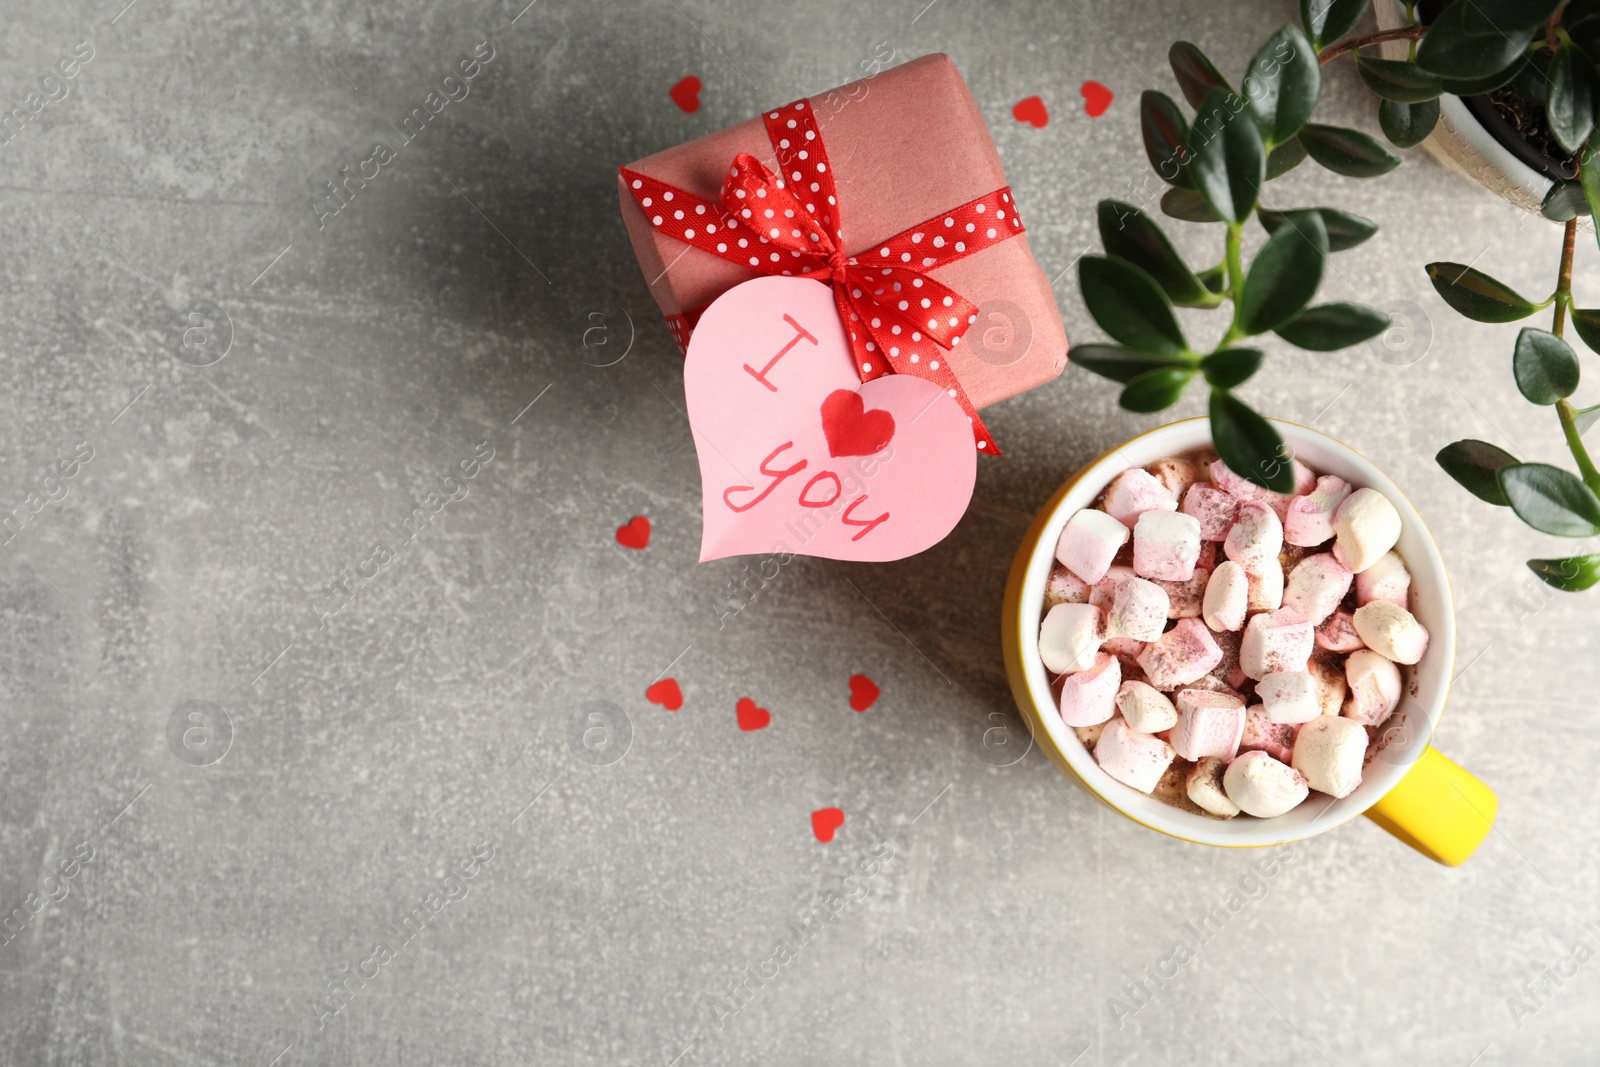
(907, 144)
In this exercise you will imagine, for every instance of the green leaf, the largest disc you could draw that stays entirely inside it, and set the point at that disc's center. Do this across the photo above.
(1564, 201)
(1215, 279)
(1457, 51)
(1571, 575)
(1478, 296)
(1345, 230)
(1155, 389)
(1284, 158)
(1407, 125)
(1550, 499)
(1488, 83)
(1249, 444)
(1328, 327)
(1188, 206)
(1285, 274)
(1130, 306)
(1474, 464)
(1166, 137)
(1232, 366)
(1328, 20)
(1398, 80)
(1584, 31)
(1348, 152)
(1117, 363)
(1545, 366)
(1196, 74)
(1586, 321)
(1282, 84)
(1131, 236)
(1570, 99)
(1499, 16)
(1589, 175)
(1227, 158)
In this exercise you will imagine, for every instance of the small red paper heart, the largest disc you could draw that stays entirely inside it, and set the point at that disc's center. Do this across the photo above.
(635, 533)
(686, 94)
(1032, 111)
(1096, 98)
(666, 693)
(752, 716)
(863, 692)
(824, 821)
(851, 429)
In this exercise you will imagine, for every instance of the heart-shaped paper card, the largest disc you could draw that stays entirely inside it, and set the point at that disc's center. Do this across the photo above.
(797, 454)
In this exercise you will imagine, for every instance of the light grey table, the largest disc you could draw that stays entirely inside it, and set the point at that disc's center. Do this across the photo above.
(268, 389)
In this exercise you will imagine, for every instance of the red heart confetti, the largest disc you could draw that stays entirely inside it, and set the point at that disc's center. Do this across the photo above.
(1096, 98)
(863, 692)
(1032, 111)
(686, 94)
(851, 429)
(666, 693)
(824, 821)
(752, 716)
(635, 533)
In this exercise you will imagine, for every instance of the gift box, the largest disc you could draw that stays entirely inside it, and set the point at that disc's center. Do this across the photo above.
(910, 148)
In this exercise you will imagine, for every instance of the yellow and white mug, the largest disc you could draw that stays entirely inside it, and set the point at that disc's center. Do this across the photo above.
(1408, 788)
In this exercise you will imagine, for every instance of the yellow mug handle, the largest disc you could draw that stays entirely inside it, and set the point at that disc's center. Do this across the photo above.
(1438, 809)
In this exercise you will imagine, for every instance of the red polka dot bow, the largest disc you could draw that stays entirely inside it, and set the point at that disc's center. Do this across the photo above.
(899, 318)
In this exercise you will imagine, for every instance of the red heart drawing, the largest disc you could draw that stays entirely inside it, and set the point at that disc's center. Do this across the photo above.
(851, 429)
(686, 94)
(863, 692)
(666, 693)
(635, 533)
(1032, 111)
(824, 821)
(752, 716)
(1096, 98)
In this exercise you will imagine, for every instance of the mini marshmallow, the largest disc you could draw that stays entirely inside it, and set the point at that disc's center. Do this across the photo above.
(1176, 474)
(1139, 610)
(1089, 543)
(1391, 631)
(1146, 708)
(1309, 521)
(1329, 752)
(1316, 586)
(1290, 696)
(1181, 655)
(1256, 537)
(1275, 641)
(1134, 759)
(1166, 545)
(1204, 787)
(1124, 648)
(1338, 633)
(1262, 786)
(1231, 483)
(1103, 594)
(1276, 739)
(1134, 492)
(1305, 479)
(1069, 637)
(1214, 508)
(1227, 597)
(1387, 579)
(1185, 599)
(1208, 555)
(1266, 588)
(1374, 687)
(1331, 687)
(1227, 669)
(1090, 696)
(1365, 527)
(1064, 587)
(1209, 724)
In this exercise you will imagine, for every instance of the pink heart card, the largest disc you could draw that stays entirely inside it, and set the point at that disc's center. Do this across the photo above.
(797, 454)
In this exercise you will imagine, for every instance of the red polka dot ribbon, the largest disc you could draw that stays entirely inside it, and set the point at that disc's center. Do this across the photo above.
(900, 319)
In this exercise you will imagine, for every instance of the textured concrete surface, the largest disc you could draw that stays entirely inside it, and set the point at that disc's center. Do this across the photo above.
(268, 389)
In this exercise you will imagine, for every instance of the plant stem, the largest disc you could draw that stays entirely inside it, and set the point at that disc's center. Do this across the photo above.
(1569, 427)
(1235, 261)
(1350, 44)
(1563, 297)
